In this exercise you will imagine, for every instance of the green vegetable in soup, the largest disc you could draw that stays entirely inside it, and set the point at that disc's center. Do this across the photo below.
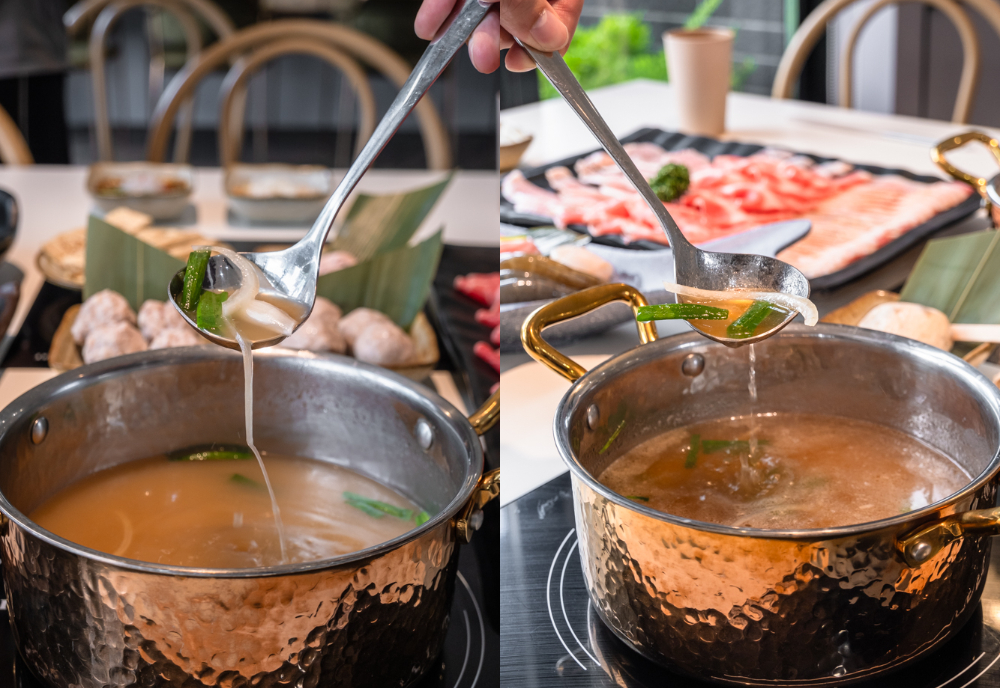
(745, 326)
(680, 311)
(372, 506)
(670, 182)
(421, 518)
(209, 315)
(637, 498)
(194, 276)
(241, 479)
(692, 455)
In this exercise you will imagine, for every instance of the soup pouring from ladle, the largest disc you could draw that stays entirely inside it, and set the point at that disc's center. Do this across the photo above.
(289, 276)
(692, 266)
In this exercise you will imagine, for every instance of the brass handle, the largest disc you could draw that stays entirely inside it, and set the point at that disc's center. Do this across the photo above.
(471, 517)
(572, 306)
(938, 151)
(929, 539)
(487, 415)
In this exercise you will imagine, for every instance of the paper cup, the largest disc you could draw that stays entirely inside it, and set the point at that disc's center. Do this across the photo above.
(699, 62)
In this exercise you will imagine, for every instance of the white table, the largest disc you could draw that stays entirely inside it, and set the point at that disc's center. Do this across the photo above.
(528, 452)
(52, 199)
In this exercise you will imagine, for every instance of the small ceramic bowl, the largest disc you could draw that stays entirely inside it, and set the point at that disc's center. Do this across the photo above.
(286, 194)
(161, 190)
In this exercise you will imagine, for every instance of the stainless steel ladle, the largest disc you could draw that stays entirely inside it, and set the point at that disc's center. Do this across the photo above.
(292, 273)
(692, 266)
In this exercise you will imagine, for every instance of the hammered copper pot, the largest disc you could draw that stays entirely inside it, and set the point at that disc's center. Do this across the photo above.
(373, 618)
(766, 607)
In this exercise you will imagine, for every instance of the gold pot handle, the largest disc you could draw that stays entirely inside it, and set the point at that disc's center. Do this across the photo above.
(572, 306)
(923, 543)
(938, 151)
(470, 518)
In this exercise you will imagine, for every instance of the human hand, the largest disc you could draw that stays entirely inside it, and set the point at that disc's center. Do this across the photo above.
(543, 24)
(484, 44)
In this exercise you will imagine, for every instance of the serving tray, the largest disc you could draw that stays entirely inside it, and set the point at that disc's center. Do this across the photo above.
(713, 147)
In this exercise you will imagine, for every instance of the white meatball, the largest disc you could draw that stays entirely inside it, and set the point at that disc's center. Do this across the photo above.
(320, 331)
(103, 308)
(336, 260)
(116, 339)
(383, 343)
(157, 316)
(355, 322)
(177, 336)
(927, 325)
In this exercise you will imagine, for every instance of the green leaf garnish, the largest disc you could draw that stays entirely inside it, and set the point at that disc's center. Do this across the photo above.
(692, 455)
(680, 311)
(745, 325)
(241, 479)
(637, 498)
(421, 518)
(670, 182)
(194, 276)
(209, 314)
(211, 453)
(369, 506)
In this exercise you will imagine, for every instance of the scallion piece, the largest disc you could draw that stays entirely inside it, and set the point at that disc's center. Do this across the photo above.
(637, 498)
(692, 455)
(209, 314)
(680, 311)
(745, 325)
(241, 479)
(421, 518)
(194, 276)
(358, 501)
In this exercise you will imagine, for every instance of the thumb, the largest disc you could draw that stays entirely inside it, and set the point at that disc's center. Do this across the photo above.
(535, 23)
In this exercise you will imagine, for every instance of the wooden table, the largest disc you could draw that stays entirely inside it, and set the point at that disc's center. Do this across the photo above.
(530, 391)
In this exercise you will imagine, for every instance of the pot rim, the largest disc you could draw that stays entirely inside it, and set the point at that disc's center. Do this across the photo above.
(69, 382)
(643, 353)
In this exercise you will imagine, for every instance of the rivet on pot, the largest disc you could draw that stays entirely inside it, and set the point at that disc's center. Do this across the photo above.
(920, 551)
(593, 416)
(693, 365)
(39, 429)
(425, 434)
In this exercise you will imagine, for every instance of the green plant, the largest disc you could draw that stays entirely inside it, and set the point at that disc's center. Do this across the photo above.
(616, 49)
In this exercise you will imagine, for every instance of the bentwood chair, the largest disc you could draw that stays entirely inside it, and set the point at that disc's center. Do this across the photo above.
(104, 14)
(233, 102)
(347, 42)
(13, 148)
(815, 24)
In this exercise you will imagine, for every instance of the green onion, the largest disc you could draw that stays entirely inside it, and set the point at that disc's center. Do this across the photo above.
(194, 276)
(209, 315)
(370, 510)
(421, 518)
(241, 479)
(611, 439)
(692, 455)
(211, 453)
(744, 326)
(680, 311)
(365, 503)
(637, 498)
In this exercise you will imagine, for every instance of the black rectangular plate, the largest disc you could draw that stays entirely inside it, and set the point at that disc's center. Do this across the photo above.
(713, 147)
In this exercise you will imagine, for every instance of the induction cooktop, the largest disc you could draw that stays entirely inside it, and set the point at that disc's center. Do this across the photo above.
(550, 636)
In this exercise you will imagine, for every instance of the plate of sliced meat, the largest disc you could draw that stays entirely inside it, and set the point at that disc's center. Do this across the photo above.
(861, 215)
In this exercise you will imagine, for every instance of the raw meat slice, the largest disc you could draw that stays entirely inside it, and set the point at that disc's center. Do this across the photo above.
(488, 354)
(479, 286)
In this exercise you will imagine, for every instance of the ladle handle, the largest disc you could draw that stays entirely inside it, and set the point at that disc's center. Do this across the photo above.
(559, 75)
(573, 306)
(434, 60)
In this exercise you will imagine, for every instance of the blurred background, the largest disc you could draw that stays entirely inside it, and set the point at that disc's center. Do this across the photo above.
(907, 60)
(298, 108)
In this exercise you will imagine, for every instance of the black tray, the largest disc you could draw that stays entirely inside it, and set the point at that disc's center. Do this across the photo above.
(713, 147)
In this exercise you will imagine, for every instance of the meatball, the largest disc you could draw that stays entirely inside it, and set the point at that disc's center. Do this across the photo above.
(383, 343)
(352, 324)
(336, 260)
(177, 336)
(116, 339)
(320, 331)
(158, 316)
(103, 308)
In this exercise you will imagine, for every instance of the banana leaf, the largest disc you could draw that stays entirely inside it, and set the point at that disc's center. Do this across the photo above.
(394, 282)
(959, 276)
(118, 261)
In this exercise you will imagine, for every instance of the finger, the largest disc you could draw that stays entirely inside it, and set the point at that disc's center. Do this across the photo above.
(518, 60)
(430, 16)
(535, 22)
(506, 40)
(484, 45)
(569, 13)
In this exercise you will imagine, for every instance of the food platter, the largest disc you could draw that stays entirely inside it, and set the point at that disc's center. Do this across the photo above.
(711, 147)
(65, 354)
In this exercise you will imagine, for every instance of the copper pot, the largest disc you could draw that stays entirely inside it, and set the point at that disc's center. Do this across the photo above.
(767, 607)
(375, 618)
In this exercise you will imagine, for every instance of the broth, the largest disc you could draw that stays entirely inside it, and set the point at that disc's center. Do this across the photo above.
(217, 514)
(736, 307)
(806, 471)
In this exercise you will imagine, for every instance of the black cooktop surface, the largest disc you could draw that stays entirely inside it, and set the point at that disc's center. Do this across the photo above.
(551, 637)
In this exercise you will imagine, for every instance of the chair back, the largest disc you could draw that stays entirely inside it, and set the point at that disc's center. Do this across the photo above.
(812, 29)
(354, 44)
